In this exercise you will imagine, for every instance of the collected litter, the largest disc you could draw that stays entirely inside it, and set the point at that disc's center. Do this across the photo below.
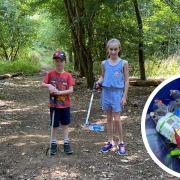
(167, 119)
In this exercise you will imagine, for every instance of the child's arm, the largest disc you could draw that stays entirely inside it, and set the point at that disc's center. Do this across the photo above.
(49, 86)
(126, 82)
(101, 77)
(45, 85)
(65, 92)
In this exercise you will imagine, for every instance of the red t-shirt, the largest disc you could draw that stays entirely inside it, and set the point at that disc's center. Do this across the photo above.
(62, 81)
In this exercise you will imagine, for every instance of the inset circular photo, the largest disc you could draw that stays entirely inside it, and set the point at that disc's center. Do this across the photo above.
(160, 125)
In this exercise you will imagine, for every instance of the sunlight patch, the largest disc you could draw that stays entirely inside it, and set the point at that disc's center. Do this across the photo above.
(82, 110)
(20, 144)
(37, 135)
(8, 138)
(133, 157)
(8, 122)
(20, 109)
(71, 129)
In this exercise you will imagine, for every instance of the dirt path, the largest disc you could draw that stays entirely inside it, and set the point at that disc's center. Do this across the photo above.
(24, 137)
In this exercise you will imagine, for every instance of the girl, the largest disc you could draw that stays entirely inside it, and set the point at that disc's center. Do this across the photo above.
(115, 82)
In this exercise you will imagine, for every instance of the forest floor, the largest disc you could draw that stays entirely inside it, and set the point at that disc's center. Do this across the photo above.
(24, 136)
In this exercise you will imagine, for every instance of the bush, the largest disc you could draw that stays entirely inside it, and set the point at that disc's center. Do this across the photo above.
(163, 68)
(28, 67)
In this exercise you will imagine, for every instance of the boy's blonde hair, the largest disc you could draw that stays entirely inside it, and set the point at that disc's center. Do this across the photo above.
(113, 41)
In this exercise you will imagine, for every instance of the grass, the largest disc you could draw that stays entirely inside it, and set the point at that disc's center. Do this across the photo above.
(154, 68)
(28, 67)
(30, 64)
(164, 68)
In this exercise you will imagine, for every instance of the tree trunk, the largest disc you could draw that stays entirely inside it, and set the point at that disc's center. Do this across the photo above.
(149, 82)
(141, 43)
(16, 52)
(82, 49)
(76, 62)
(5, 52)
(70, 55)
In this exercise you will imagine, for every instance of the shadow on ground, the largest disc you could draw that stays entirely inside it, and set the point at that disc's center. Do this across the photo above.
(24, 137)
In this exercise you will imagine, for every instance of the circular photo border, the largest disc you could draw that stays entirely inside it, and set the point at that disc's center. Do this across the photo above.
(143, 129)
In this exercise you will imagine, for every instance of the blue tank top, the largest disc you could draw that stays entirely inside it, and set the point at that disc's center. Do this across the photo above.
(113, 74)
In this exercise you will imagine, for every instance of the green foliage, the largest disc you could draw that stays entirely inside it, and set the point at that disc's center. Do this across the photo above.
(17, 28)
(97, 68)
(161, 29)
(44, 24)
(169, 67)
(69, 67)
(54, 30)
(123, 26)
(25, 64)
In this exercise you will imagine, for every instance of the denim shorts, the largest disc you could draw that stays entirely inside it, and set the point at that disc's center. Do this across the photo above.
(62, 115)
(111, 99)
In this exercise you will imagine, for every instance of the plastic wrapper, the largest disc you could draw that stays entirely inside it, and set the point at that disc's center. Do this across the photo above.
(166, 126)
(160, 110)
(175, 94)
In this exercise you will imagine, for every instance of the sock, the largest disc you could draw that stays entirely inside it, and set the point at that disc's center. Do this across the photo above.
(112, 142)
(53, 141)
(66, 140)
(65, 134)
(121, 142)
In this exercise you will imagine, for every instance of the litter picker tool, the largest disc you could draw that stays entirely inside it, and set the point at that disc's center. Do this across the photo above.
(90, 105)
(48, 151)
(88, 125)
(52, 124)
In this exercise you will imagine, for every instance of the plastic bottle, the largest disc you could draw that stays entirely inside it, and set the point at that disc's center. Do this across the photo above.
(96, 127)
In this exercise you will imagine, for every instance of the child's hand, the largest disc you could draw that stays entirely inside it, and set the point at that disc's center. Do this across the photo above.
(57, 92)
(51, 88)
(98, 85)
(123, 101)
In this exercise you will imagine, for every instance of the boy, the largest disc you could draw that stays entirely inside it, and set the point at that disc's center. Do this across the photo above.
(60, 84)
